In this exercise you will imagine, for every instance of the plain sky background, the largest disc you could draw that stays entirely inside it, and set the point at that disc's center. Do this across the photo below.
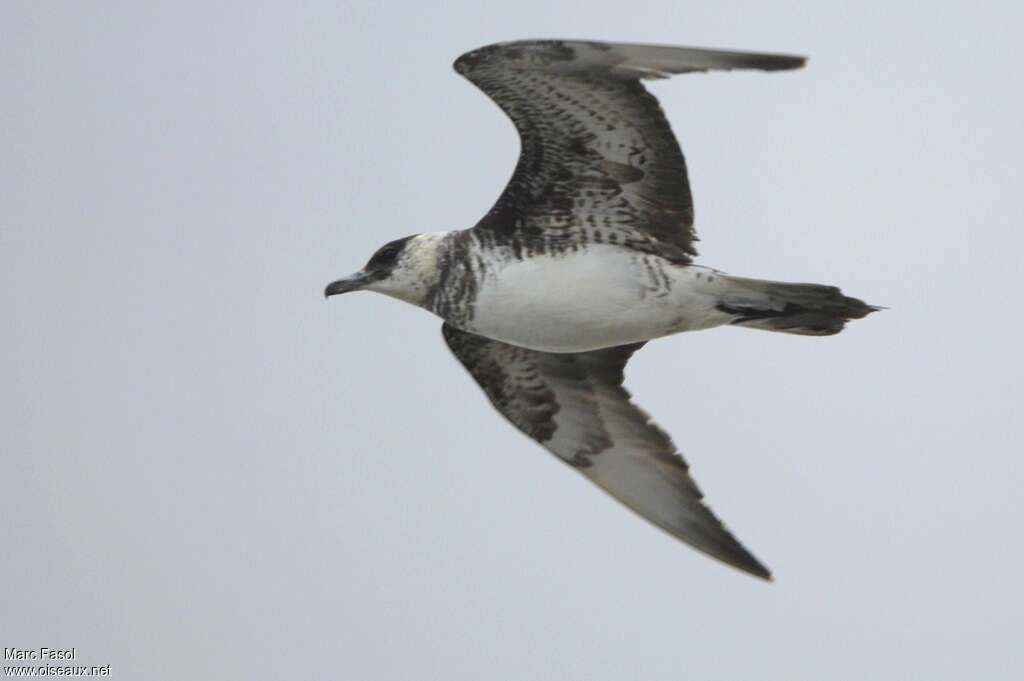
(210, 472)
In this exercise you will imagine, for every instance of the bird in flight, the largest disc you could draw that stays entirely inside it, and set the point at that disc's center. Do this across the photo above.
(585, 256)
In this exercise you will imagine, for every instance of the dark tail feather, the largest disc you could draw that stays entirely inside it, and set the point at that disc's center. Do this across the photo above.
(805, 309)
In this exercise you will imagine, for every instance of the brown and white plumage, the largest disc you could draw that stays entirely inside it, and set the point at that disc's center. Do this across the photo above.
(584, 257)
(598, 158)
(574, 405)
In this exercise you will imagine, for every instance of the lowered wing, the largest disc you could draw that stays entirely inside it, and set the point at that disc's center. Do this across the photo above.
(574, 405)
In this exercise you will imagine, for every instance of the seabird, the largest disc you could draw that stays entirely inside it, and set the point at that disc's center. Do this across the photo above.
(587, 255)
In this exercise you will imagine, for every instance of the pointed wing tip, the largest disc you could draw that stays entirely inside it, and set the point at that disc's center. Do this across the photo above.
(768, 62)
(726, 549)
(747, 564)
(761, 572)
(785, 62)
(792, 62)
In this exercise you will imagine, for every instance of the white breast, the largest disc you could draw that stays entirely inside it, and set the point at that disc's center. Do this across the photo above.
(594, 298)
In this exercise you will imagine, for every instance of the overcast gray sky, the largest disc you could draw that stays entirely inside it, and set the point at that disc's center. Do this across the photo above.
(210, 472)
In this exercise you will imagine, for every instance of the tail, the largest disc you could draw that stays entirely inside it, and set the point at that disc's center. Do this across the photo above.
(805, 309)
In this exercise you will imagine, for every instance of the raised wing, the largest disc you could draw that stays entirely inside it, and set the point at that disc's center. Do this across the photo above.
(598, 156)
(575, 406)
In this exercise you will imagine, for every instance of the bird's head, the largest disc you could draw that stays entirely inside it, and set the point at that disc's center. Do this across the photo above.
(404, 268)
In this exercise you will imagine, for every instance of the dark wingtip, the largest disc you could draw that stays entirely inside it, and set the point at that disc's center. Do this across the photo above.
(777, 62)
(753, 567)
(761, 61)
(762, 573)
(736, 556)
(858, 309)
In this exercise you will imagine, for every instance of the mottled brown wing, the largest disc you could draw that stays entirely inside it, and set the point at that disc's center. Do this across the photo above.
(598, 157)
(574, 405)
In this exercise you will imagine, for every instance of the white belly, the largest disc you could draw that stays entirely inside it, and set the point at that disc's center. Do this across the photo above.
(599, 298)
